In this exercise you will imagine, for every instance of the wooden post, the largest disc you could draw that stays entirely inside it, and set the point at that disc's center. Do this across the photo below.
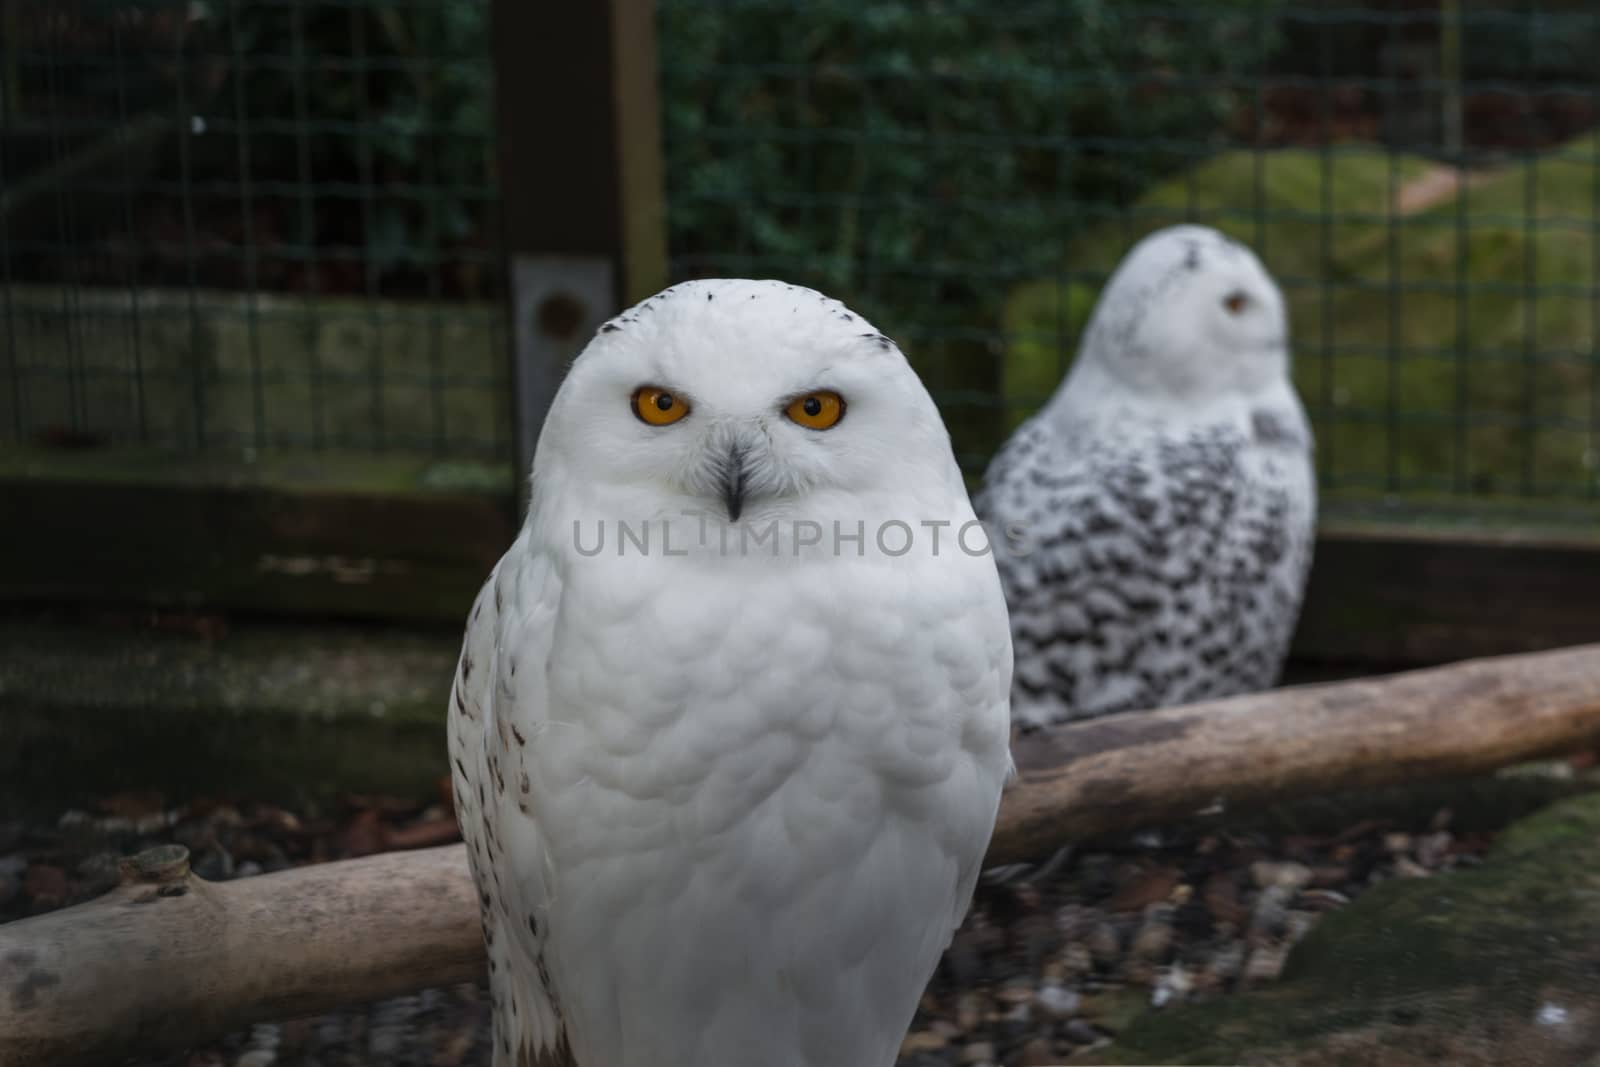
(579, 120)
(1450, 81)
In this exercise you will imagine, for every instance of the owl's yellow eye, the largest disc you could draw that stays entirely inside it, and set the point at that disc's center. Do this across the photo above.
(817, 411)
(657, 406)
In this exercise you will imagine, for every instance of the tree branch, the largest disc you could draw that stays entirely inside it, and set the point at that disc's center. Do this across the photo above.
(1125, 771)
(168, 959)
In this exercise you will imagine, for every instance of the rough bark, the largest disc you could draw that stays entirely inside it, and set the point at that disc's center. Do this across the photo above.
(168, 959)
(1126, 770)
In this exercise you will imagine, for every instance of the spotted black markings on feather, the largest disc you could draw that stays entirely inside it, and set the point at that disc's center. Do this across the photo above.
(516, 733)
(1149, 535)
(544, 977)
(1191, 255)
(1270, 428)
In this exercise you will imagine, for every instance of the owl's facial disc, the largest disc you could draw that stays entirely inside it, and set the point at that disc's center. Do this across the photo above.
(744, 400)
(1191, 314)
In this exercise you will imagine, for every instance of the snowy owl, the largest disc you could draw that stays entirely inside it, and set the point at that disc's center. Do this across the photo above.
(731, 718)
(1153, 523)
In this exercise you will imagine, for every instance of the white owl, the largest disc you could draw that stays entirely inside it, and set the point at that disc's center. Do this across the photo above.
(728, 745)
(1153, 523)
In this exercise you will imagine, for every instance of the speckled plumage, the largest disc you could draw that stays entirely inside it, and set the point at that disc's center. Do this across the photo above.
(1154, 521)
(729, 807)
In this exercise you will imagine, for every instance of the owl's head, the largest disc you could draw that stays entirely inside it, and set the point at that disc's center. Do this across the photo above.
(1189, 314)
(741, 398)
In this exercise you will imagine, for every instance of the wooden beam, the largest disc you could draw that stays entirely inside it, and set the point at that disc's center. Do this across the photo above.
(581, 176)
(1386, 595)
(374, 543)
(636, 78)
(383, 538)
(579, 120)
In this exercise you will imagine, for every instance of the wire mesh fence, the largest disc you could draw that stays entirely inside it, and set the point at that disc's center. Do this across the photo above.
(270, 224)
(250, 225)
(1421, 177)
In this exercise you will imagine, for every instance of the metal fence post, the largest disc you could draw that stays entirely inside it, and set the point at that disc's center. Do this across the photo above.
(578, 114)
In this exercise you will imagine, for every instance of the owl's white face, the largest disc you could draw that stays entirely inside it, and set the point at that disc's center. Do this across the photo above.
(743, 399)
(1191, 313)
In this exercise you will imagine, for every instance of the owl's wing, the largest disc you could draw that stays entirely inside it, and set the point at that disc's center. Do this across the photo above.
(1080, 535)
(1157, 568)
(493, 712)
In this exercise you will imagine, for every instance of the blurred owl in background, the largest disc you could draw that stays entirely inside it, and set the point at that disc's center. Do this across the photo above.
(1153, 522)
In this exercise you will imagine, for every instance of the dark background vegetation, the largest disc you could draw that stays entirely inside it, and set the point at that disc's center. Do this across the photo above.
(923, 160)
(848, 140)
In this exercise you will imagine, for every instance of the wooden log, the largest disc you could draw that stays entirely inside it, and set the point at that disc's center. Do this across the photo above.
(168, 959)
(1445, 722)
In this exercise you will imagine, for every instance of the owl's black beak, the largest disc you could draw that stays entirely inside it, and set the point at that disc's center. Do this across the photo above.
(733, 481)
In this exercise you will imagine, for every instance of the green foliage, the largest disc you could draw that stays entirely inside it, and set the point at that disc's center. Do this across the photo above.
(1553, 39)
(915, 156)
(350, 139)
(388, 94)
(899, 135)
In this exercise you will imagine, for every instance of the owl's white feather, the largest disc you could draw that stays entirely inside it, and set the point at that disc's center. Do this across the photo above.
(726, 804)
(1154, 521)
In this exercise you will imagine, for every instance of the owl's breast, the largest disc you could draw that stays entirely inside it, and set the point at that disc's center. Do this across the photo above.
(697, 691)
(804, 758)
